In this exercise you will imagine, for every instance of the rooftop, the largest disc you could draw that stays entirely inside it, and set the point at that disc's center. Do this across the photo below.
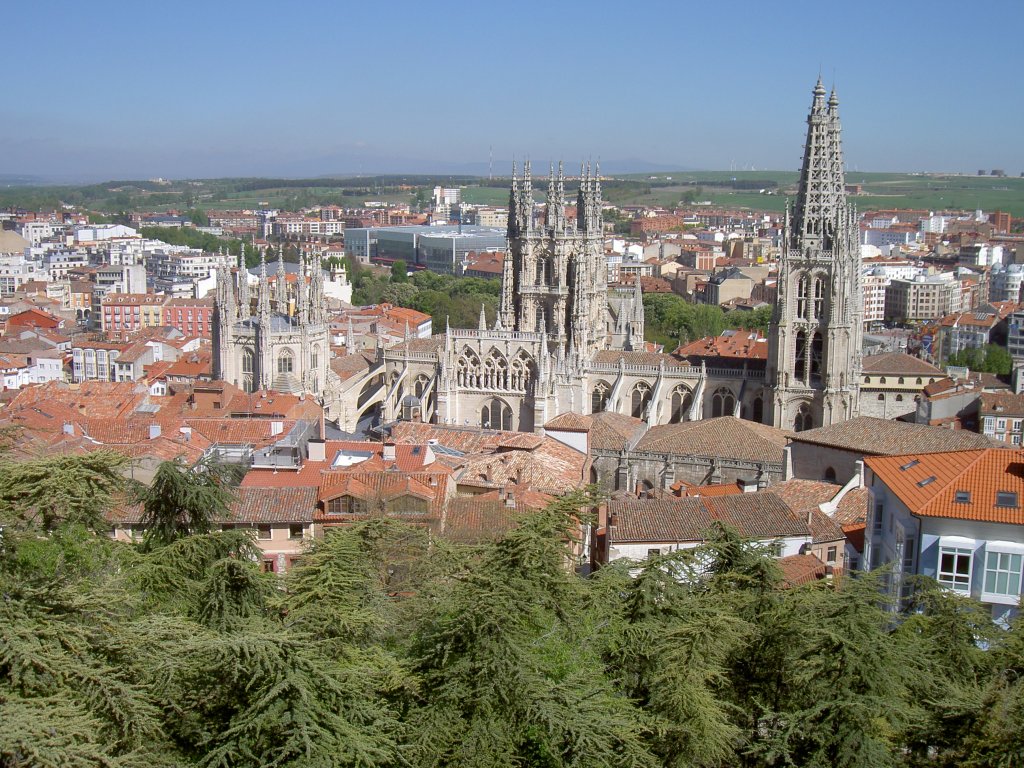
(874, 437)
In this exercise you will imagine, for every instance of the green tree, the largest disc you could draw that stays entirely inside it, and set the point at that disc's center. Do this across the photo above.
(399, 272)
(47, 492)
(181, 501)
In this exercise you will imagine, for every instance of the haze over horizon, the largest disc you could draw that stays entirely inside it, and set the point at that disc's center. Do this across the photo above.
(228, 89)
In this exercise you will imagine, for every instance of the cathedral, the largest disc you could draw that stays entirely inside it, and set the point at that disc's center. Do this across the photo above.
(284, 343)
(564, 341)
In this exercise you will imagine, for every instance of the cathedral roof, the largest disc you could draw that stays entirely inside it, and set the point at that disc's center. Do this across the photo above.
(724, 437)
(898, 363)
(612, 357)
(881, 437)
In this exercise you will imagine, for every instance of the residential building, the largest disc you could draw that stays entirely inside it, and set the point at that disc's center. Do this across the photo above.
(955, 517)
(125, 313)
(193, 317)
(923, 298)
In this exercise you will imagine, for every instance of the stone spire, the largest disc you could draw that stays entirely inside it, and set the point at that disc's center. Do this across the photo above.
(301, 291)
(281, 284)
(821, 194)
(263, 291)
(483, 318)
(244, 308)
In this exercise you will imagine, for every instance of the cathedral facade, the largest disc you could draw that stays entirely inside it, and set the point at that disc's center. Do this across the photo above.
(564, 341)
(282, 343)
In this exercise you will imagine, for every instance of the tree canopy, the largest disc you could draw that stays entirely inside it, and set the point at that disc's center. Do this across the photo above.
(385, 647)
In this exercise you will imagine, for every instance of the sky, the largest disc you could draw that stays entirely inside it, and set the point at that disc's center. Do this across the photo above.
(116, 90)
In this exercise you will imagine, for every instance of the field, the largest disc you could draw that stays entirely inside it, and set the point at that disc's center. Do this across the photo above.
(757, 190)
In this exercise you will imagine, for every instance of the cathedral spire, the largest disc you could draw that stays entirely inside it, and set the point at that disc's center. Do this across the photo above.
(821, 192)
(483, 318)
(263, 291)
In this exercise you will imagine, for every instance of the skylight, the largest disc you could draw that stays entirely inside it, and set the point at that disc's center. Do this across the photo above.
(910, 465)
(962, 497)
(1006, 499)
(927, 481)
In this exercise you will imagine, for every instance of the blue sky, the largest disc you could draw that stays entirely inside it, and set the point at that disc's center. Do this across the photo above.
(190, 89)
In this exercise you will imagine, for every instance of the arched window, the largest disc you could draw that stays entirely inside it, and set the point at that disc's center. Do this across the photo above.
(522, 365)
(247, 361)
(314, 357)
(819, 298)
(830, 475)
(723, 402)
(900, 380)
(803, 420)
(800, 361)
(882, 380)
(867, 379)
(802, 289)
(285, 361)
(496, 415)
(682, 401)
(468, 371)
(919, 381)
(899, 398)
(881, 396)
(599, 397)
(495, 371)
(817, 354)
(641, 398)
(757, 412)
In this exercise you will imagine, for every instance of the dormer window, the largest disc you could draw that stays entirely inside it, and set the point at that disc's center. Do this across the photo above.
(962, 497)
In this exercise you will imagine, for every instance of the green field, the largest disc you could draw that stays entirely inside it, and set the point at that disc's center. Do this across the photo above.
(720, 188)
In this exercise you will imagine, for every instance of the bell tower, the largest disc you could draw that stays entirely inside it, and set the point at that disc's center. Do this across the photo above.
(815, 336)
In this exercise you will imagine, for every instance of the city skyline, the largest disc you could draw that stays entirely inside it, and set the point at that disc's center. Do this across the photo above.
(121, 91)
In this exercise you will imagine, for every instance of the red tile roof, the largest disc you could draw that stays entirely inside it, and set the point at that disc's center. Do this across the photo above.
(928, 483)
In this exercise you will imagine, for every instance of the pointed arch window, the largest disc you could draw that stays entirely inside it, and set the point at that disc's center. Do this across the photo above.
(496, 414)
(247, 361)
(723, 402)
(682, 401)
(285, 362)
(819, 298)
(314, 357)
(641, 399)
(801, 296)
(757, 410)
(803, 420)
(599, 397)
(817, 353)
(800, 359)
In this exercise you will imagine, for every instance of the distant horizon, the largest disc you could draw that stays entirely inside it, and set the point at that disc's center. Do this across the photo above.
(9, 181)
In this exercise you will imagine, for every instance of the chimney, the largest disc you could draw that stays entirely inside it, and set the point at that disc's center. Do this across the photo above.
(389, 452)
(69, 428)
(154, 431)
(510, 500)
(747, 485)
(276, 427)
(317, 449)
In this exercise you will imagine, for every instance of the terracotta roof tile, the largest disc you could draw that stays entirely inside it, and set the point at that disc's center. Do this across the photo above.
(801, 569)
(725, 436)
(752, 515)
(928, 484)
(873, 437)
(897, 364)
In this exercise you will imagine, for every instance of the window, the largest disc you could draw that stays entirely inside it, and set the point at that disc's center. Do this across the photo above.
(955, 568)
(899, 398)
(343, 505)
(1006, 499)
(653, 553)
(962, 497)
(295, 531)
(881, 396)
(263, 532)
(1002, 573)
(879, 514)
(776, 548)
(270, 566)
(285, 362)
(830, 555)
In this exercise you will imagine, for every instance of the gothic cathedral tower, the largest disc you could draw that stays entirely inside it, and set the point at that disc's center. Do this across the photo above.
(555, 274)
(815, 337)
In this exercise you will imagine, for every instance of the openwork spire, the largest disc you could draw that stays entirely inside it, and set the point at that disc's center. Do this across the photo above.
(821, 195)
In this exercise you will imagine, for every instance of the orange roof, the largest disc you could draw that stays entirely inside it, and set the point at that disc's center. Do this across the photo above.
(931, 484)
